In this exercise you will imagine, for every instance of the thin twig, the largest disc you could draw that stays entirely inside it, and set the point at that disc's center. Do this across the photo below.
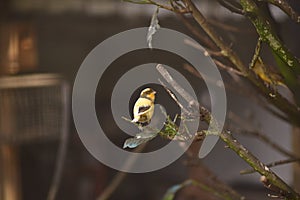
(230, 28)
(204, 39)
(273, 164)
(256, 53)
(257, 135)
(285, 7)
(276, 113)
(227, 68)
(268, 141)
(172, 95)
(175, 85)
(120, 176)
(164, 6)
(206, 52)
(233, 8)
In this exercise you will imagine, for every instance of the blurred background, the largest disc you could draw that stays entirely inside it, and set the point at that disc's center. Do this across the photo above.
(42, 45)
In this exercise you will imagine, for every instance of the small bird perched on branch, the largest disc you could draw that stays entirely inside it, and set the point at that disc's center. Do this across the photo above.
(144, 107)
(266, 74)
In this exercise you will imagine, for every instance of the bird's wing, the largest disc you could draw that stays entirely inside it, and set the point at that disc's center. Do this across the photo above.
(141, 106)
(143, 109)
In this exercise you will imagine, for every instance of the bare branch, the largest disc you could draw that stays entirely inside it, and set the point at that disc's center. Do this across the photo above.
(164, 6)
(285, 7)
(206, 41)
(206, 52)
(273, 164)
(172, 95)
(230, 28)
(175, 85)
(257, 135)
(227, 68)
(233, 8)
(268, 141)
(256, 53)
(120, 176)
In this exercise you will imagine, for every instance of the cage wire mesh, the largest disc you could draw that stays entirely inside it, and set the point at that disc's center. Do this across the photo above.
(34, 108)
(31, 108)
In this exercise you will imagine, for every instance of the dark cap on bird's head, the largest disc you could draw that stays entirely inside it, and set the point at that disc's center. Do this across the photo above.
(148, 93)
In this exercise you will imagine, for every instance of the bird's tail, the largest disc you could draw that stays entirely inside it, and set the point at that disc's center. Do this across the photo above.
(134, 120)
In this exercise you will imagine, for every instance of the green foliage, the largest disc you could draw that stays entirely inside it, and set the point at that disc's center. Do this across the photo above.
(170, 129)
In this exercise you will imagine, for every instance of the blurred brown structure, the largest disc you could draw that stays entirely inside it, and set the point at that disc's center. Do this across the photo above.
(33, 109)
(18, 49)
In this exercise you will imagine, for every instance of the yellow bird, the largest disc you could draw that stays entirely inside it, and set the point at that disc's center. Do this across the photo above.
(266, 74)
(144, 107)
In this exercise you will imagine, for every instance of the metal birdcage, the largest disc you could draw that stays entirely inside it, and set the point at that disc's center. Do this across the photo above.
(33, 108)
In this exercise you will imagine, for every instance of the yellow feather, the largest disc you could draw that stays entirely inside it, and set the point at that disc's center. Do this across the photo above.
(266, 75)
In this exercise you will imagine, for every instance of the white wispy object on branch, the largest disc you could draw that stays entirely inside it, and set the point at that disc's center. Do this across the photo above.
(154, 26)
